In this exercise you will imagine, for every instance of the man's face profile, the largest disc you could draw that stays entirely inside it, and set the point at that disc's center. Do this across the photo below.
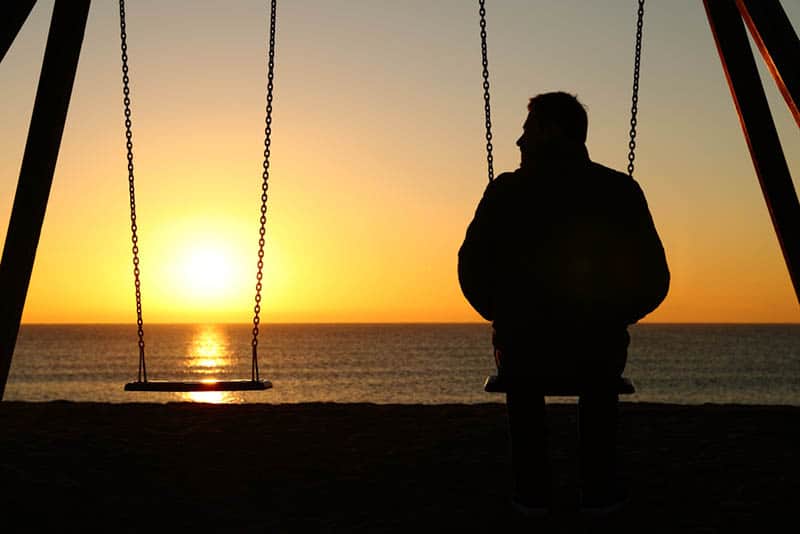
(531, 135)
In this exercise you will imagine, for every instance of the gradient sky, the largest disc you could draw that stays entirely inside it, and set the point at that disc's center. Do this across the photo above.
(378, 155)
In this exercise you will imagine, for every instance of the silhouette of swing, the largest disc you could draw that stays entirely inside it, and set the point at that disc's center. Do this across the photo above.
(142, 383)
(559, 387)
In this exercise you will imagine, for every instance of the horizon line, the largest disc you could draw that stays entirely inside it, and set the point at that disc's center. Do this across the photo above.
(486, 323)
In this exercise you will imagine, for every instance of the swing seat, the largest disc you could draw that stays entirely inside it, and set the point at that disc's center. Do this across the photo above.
(253, 384)
(563, 388)
(199, 385)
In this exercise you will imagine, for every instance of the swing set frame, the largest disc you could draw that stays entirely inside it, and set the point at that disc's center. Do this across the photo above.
(729, 21)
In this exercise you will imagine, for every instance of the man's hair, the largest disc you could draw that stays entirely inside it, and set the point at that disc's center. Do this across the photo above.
(560, 113)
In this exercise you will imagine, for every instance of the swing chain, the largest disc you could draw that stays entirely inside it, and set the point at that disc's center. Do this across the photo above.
(264, 189)
(486, 106)
(635, 96)
(132, 189)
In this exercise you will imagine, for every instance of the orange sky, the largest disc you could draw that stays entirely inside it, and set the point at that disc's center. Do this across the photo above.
(378, 156)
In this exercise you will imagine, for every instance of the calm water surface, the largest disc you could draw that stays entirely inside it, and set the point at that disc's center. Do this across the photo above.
(387, 363)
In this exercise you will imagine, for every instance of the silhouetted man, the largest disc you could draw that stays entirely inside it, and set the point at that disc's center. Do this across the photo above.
(562, 256)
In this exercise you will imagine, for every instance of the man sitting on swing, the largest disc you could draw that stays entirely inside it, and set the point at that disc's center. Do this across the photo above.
(562, 256)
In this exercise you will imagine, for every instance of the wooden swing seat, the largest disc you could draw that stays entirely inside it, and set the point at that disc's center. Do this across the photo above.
(496, 384)
(198, 385)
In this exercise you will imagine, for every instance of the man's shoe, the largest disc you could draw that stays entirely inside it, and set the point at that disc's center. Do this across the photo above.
(598, 504)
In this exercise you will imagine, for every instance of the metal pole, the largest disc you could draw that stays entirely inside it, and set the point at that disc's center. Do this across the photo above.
(14, 17)
(60, 62)
(759, 129)
(778, 44)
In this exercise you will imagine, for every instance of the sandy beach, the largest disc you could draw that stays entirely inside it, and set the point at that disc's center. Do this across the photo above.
(378, 468)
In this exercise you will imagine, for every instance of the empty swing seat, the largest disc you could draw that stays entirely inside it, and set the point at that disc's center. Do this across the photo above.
(254, 383)
(200, 385)
(496, 384)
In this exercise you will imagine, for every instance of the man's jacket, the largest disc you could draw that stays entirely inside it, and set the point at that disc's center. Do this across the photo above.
(566, 241)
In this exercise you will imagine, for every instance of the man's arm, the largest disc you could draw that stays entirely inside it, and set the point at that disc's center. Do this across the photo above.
(650, 279)
(475, 258)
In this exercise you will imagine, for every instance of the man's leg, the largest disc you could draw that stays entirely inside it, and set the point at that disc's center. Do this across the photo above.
(597, 427)
(529, 454)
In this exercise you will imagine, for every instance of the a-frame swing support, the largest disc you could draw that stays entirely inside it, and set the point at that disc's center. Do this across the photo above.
(778, 43)
(64, 40)
(766, 20)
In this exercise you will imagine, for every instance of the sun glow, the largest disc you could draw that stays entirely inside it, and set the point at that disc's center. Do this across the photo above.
(207, 271)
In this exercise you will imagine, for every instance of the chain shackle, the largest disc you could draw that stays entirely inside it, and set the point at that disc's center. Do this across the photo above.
(486, 96)
(126, 91)
(635, 96)
(264, 188)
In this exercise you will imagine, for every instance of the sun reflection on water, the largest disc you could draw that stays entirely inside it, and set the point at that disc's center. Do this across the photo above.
(209, 352)
(213, 397)
(209, 356)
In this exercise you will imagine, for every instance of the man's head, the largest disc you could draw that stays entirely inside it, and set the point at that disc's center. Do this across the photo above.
(555, 121)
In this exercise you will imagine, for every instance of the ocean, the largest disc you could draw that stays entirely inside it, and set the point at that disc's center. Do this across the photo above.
(388, 363)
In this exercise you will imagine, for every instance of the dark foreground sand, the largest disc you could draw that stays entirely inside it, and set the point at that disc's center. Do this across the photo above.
(66, 467)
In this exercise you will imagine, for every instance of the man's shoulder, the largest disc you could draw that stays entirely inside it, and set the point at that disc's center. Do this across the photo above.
(613, 178)
(504, 183)
(507, 178)
(598, 168)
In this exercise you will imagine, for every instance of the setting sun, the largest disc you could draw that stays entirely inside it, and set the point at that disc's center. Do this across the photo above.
(207, 271)
(202, 269)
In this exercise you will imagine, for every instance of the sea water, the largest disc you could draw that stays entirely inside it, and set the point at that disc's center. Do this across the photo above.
(387, 363)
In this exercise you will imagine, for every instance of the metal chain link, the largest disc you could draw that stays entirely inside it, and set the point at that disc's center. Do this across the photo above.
(264, 189)
(486, 105)
(142, 375)
(635, 96)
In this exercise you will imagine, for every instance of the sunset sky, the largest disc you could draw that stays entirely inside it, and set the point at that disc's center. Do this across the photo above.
(378, 155)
